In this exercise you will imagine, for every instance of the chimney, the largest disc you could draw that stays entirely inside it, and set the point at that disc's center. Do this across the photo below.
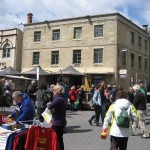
(145, 27)
(29, 17)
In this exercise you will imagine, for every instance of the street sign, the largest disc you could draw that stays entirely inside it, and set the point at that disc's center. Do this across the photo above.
(123, 73)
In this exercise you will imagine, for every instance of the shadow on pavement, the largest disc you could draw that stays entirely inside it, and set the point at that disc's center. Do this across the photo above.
(75, 129)
(79, 131)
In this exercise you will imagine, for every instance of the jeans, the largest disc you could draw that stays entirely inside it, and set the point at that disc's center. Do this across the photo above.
(97, 114)
(103, 112)
(72, 105)
(118, 142)
(33, 104)
(59, 132)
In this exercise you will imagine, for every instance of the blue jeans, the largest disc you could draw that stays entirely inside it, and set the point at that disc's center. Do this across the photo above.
(72, 105)
(103, 112)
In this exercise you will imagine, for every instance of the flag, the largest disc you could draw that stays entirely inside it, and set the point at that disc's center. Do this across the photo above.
(86, 85)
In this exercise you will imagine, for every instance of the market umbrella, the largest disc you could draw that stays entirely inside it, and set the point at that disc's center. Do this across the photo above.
(34, 72)
(69, 71)
(11, 71)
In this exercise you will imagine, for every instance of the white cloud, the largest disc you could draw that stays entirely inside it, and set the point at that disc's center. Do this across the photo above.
(14, 12)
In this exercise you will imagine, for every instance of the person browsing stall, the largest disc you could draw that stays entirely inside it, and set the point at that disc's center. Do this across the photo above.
(24, 110)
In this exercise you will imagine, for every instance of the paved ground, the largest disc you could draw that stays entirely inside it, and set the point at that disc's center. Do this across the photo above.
(82, 136)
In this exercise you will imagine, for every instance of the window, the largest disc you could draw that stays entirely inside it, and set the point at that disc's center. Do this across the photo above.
(55, 57)
(98, 30)
(123, 58)
(98, 55)
(132, 60)
(77, 57)
(6, 51)
(146, 45)
(56, 35)
(37, 36)
(145, 64)
(36, 58)
(140, 62)
(139, 41)
(77, 32)
(132, 37)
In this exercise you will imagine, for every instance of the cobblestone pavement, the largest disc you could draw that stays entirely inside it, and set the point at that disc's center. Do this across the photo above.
(82, 136)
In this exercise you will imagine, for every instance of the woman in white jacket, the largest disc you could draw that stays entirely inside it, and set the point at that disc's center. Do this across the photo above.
(119, 135)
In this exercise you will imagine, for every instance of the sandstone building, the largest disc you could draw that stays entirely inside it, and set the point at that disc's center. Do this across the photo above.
(11, 48)
(106, 47)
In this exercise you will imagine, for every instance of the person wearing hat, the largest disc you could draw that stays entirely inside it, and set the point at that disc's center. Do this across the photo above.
(140, 104)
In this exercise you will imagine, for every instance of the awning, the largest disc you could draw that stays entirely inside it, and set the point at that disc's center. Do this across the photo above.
(11, 71)
(69, 71)
(96, 70)
(19, 77)
(34, 72)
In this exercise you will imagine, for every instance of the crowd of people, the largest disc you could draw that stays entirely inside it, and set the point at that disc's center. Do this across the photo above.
(114, 105)
(107, 101)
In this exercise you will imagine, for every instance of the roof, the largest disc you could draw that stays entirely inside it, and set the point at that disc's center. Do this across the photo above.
(34, 72)
(69, 71)
(84, 17)
(11, 71)
(74, 18)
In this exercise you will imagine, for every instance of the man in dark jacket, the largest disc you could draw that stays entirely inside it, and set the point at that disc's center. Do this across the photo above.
(31, 91)
(140, 104)
(24, 109)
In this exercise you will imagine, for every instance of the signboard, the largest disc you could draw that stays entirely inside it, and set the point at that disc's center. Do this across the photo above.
(123, 73)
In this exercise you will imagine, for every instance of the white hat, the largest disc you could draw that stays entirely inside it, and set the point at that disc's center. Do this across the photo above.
(7, 92)
(33, 81)
(136, 87)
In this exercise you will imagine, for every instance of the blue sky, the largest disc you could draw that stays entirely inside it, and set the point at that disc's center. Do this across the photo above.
(13, 12)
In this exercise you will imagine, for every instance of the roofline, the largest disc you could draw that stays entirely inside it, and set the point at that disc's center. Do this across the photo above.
(70, 19)
(9, 29)
(86, 17)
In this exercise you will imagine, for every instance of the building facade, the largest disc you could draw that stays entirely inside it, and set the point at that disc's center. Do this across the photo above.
(11, 48)
(107, 47)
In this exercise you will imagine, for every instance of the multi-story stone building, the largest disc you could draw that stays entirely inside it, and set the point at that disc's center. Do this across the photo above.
(107, 47)
(11, 48)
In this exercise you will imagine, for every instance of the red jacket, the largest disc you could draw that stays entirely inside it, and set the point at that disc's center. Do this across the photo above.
(72, 95)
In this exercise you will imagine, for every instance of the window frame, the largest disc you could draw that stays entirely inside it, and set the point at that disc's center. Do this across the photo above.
(145, 64)
(132, 60)
(37, 38)
(54, 54)
(98, 32)
(139, 62)
(123, 56)
(56, 35)
(139, 41)
(132, 34)
(146, 44)
(37, 59)
(77, 55)
(98, 56)
(6, 51)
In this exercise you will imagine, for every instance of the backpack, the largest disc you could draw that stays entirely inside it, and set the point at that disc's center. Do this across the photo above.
(123, 120)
